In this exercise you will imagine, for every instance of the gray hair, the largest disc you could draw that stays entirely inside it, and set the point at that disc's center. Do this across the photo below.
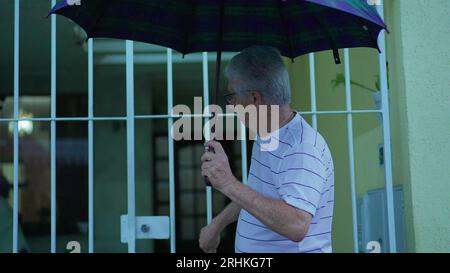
(261, 68)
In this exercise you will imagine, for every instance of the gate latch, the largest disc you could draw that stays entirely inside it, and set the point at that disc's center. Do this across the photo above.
(146, 227)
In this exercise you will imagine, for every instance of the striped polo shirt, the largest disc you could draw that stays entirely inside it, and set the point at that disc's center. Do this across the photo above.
(300, 172)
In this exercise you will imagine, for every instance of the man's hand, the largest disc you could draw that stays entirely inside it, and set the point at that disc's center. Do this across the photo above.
(209, 238)
(216, 167)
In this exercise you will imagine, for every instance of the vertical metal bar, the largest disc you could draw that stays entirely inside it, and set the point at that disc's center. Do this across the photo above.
(387, 138)
(91, 143)
(15, 245)
(130, 148)
(171, 150)
(243, 152)
(312, 78)
(209, 211)
(348, 95)
(53, 133)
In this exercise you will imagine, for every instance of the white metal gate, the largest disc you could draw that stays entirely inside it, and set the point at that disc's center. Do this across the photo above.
(133, 226)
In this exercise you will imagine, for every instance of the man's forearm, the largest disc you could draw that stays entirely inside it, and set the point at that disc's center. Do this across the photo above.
(228, 215)
(275, 214)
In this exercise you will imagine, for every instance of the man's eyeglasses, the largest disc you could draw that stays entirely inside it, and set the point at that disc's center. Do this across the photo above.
(229, 98)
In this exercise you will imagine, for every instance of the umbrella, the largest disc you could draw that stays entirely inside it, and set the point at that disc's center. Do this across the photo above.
(295, 27)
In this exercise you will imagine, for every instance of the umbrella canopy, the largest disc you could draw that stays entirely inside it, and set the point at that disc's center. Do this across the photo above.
(295, 27)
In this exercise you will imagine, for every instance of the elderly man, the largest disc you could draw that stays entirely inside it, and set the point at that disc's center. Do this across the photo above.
(287, 205)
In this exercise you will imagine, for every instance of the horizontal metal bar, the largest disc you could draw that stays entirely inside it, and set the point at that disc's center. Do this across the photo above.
(342, 112)
(62, 119)
(155, 58)
(183, 116)
(118, 47)
(180, 116)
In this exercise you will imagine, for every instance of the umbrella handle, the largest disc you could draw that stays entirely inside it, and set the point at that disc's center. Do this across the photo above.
(219, 48)
(208, 149)
(218, 64)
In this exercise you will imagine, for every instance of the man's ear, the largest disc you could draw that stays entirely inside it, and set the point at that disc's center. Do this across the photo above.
(257, 98)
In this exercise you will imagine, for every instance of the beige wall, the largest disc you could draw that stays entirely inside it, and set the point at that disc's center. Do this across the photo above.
(418, 50)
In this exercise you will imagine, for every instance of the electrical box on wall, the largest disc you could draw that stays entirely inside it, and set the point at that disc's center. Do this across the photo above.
(372, 220)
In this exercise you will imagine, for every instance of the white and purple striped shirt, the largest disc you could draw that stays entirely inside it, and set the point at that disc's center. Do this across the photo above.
(300, 172)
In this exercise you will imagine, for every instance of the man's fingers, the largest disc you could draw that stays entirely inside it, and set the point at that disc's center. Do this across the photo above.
(216, 146)
(207, 156)
(207, 165)
(207, 249)
(206, 171)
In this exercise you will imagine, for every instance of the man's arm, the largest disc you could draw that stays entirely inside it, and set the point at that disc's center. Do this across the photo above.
(277, 215)
(209, 238)
(227, 216)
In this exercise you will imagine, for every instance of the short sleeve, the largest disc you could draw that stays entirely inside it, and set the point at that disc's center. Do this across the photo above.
(301, 178)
